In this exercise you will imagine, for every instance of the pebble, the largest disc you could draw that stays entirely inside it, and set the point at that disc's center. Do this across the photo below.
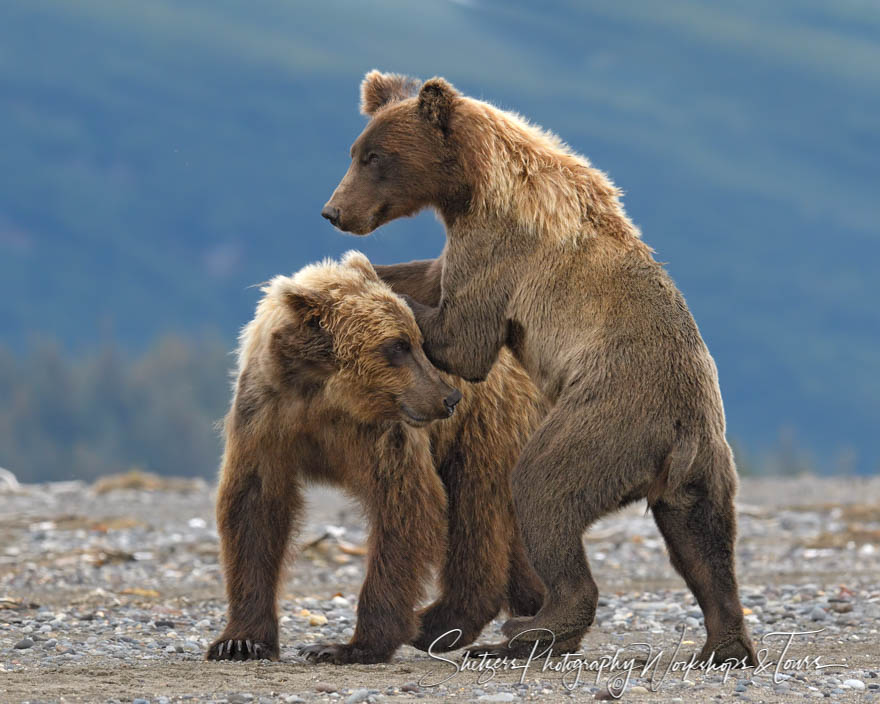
(24, 644)
(129, 611)
(359, 695)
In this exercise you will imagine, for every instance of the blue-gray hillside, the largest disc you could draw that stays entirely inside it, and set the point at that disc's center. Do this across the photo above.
(160, 157)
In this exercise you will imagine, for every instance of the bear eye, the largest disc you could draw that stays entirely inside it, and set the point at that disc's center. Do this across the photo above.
(396, 351)
(372, 158)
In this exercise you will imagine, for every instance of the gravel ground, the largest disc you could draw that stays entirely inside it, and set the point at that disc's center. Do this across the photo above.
(113, 595)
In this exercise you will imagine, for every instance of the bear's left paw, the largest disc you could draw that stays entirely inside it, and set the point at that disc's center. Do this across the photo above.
(342, 654)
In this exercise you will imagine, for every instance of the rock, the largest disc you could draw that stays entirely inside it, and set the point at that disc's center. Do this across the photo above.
(24, 644)
(358, 695)
(8, 482)
(854, 684)
(818, 614)
(499, 697)
(317, 619)
(410, 687)
(293, 699)
(325, 687)
(140, 701)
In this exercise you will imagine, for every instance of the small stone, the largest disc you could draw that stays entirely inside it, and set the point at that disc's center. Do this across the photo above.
(317, 619)
(638, 689)
(325, 687)
(854, 684)
(239, 698)
(140, 701)
(499, 697)
(293, 699)
(818, 614)
(163, 623)
(358, 695)
(410, 687)
(24, 644)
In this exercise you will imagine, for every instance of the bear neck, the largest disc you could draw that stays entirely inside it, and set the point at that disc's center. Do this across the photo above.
(525, 179)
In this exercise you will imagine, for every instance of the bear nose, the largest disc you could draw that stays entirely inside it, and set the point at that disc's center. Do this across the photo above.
(331, 213)
(452, 400)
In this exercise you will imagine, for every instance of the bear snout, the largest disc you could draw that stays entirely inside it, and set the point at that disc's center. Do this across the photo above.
(331, 213)
(451, 401)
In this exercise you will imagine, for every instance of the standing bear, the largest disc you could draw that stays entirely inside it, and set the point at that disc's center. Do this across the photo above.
(333, 387)
(542, 259)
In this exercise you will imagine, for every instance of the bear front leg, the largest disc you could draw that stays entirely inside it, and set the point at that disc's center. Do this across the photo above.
(463, 343)
(254, 519)
(418, 279)
(406, 507)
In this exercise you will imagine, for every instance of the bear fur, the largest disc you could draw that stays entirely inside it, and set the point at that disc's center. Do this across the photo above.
(541, 259)
(333, 388)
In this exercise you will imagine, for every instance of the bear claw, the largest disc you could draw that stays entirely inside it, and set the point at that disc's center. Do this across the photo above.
(241, 649)
(341, 654)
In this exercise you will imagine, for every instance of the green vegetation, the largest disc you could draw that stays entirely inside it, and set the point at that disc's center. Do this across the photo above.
(109, 411)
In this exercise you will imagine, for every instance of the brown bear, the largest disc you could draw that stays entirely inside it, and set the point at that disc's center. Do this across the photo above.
(333, 387)
(542, 259)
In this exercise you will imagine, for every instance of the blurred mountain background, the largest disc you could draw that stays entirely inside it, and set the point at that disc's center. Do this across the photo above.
(159, 158)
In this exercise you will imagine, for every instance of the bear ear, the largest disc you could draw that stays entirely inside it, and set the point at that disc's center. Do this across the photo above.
(436, 100)
(307, 339)
(358, 261)
(310, 306)
(379, 89)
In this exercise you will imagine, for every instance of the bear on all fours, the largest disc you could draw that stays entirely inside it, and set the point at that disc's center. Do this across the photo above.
(333, 388)
(542, 259)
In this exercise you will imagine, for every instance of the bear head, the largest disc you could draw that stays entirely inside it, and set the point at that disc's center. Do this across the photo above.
(334, 333)
(404, 160)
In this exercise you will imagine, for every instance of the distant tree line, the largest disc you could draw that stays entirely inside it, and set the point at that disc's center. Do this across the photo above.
(108, 410)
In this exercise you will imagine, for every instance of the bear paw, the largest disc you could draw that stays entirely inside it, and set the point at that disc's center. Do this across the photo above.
(443, 629)
(242, 649)
(342, 654)
(525, 649)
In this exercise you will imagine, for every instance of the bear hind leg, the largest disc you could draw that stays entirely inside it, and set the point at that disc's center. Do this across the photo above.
(699, 527)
